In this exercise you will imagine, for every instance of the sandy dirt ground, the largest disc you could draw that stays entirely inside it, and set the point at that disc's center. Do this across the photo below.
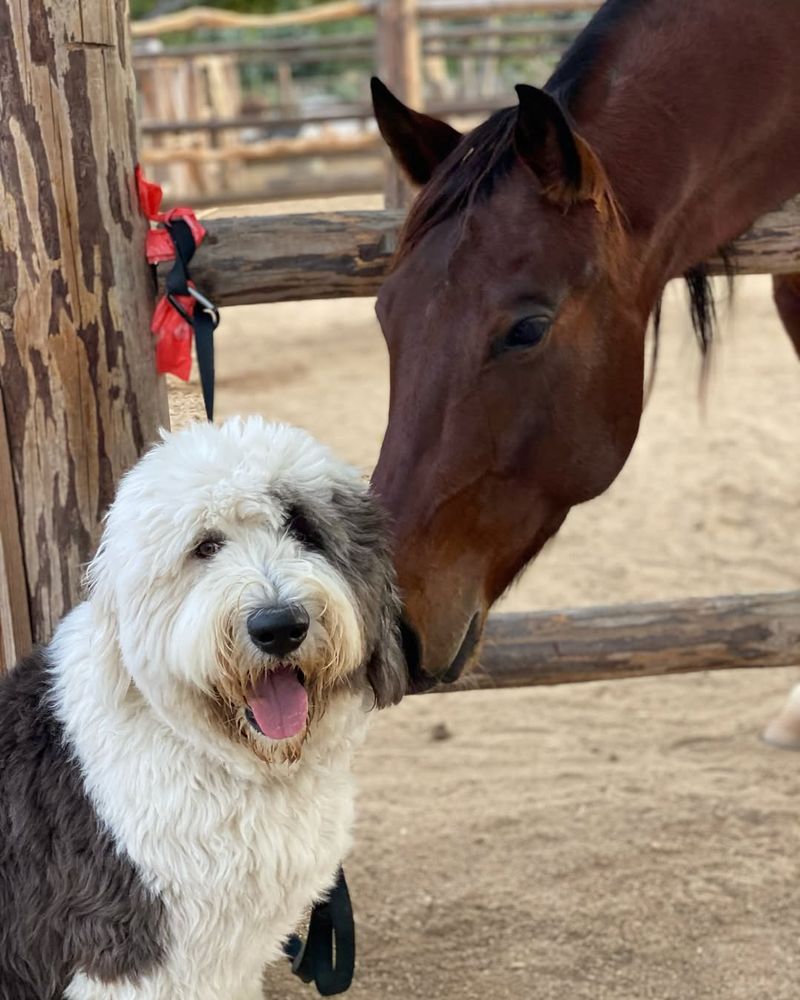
(630, 840)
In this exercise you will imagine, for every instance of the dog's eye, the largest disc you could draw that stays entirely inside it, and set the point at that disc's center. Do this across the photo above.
(208, 547)
(300, 528)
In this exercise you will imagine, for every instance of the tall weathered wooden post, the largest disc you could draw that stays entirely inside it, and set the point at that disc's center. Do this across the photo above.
(399, 66)
(80, 396)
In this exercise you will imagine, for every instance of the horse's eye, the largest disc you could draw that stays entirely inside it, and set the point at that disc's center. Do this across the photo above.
(208, 547)
(527, 332)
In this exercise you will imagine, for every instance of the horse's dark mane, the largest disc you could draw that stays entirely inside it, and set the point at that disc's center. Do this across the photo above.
(702, 306)
(467, 176)
(578, 62)
(487, 154)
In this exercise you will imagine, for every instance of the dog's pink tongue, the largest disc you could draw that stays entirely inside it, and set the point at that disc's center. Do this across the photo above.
(280, 703)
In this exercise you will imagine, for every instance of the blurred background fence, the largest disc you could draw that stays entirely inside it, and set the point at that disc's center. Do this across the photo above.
(238, 107)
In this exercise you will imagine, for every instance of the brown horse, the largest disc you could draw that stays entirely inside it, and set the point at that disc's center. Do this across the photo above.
(529, 266)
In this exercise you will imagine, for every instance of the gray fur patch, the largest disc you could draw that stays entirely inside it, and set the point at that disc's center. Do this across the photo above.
(365, 559)
(68, 901)
(351, 532)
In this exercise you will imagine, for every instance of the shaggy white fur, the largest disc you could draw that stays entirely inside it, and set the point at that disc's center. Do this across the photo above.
(235, 833)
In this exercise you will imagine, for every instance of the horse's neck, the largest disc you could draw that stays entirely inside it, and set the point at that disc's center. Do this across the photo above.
(695, 112)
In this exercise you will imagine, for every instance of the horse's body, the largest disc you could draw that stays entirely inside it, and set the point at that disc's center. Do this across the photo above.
(532, 259)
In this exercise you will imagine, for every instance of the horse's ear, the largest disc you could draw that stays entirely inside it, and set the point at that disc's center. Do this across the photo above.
(546, 143)
(418, 142)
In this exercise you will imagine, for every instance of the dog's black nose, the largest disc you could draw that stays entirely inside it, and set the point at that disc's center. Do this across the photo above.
(278, 631)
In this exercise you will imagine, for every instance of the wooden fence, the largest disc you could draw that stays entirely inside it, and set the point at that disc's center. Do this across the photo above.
(193, 117)
(284, 258)
(639, 640)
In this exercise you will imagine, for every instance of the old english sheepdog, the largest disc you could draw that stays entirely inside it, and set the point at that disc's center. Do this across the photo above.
(175, 767)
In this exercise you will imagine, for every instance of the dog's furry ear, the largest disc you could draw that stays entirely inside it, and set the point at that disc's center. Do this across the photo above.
(360, 548)
(386, 668)
(99, 586)
(97, 578)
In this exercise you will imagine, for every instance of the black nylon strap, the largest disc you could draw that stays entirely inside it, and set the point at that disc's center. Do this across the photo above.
(204, 347)
(330, 929)
(205, 318)
(185, 247)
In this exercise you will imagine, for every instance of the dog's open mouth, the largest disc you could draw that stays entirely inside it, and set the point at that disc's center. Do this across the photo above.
(277, 705)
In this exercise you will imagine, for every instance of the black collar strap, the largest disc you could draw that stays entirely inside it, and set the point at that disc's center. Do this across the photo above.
(331, 930)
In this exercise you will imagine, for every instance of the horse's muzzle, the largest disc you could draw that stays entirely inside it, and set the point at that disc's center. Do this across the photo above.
(419, 679)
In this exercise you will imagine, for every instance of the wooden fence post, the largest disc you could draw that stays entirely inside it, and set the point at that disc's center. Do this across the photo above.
(398, 52)
(15, 616)
(80, 395)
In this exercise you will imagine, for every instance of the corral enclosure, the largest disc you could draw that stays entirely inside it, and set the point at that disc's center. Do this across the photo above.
(615, 841)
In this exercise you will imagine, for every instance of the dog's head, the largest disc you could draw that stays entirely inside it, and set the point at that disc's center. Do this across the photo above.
(246, 578)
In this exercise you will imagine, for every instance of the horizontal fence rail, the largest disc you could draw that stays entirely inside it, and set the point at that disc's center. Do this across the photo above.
(455, 9)
(340, 47)
(194, 18)
(282, 119)
(638, 640)
(284, 258)
(276, 150)
(340, 10)
(302, 187)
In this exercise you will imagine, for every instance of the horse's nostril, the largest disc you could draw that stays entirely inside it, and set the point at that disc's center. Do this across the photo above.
(465, 651)
(412, 651)
(418, 680)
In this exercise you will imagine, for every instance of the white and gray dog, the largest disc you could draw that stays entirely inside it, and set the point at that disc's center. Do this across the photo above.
(175, 785)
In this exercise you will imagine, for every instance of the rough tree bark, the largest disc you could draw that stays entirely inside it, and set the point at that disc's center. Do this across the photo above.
(80, 395)
(15, 621)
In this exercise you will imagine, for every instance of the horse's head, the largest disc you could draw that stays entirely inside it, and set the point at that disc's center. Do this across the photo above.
(515, 326)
